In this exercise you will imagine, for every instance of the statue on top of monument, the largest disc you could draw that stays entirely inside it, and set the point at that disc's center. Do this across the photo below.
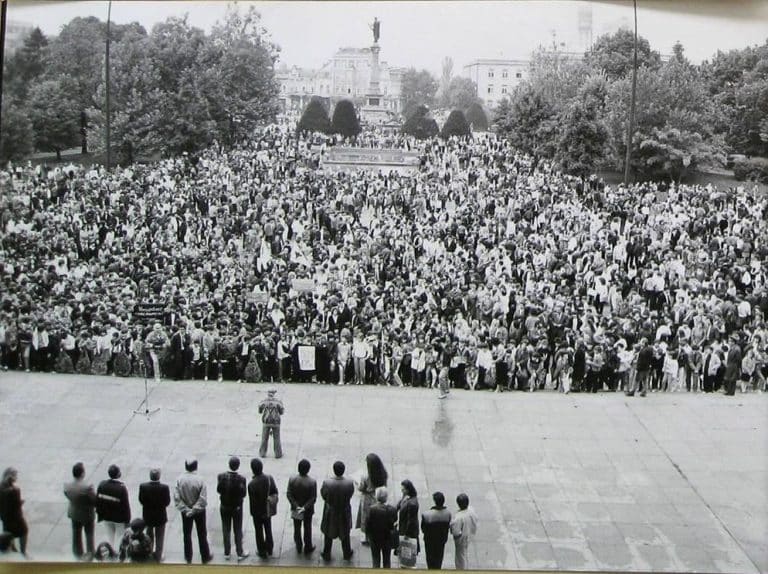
(376, 27)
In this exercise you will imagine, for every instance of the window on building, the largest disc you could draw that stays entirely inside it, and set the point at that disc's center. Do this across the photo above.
(519, 75)
(504, 74)
(490, 89)
(503, 89)
(490, 73)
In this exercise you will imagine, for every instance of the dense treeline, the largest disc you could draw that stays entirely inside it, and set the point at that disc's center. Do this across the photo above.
(173, 89)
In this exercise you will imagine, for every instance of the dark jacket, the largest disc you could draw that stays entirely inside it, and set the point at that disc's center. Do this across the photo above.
(380, 524)
(337, 513)
(82, 501)
(10, 511)
(302, 493)
(259, 489)
(733, 363)
(154, 498)
(408, 517)
(435, 524)
(232, 489)
(112, 502)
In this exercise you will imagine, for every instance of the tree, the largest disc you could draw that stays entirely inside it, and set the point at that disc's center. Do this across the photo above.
(418, 88)
(17, 140)
(582, 137)
(556, 77)
(345, 121)
(613, 54)
(54, 114)
(527, 121)
(502, 122)
(462, 93)
(456, 125)
(26, 65)
(78, 53)
(477, 118)
(315, 117)
(420, 125)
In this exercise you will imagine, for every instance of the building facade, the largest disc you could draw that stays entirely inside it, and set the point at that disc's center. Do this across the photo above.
(347, 75)
(496, 78)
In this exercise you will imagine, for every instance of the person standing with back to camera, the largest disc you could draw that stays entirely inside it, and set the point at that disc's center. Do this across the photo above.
(271, 410)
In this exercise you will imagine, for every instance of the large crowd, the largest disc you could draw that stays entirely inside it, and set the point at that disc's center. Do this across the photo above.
(485, 266)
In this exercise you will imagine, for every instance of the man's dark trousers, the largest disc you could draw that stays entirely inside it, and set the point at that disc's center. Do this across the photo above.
(434, 552)
(264, 543)
(232, 519)
(346, 547)
(381, 554)
(77, 538)
(307, 522)
(202, 536)
(157, 536)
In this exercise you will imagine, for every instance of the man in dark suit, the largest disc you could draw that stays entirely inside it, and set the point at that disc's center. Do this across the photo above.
(154, 497)
(732, 366)
(232, 490)
(81, 511)
(179, 346)
(261, 487)
(435, 524)
(302, 494)
(379, 528)
(337, 513)
(113, 505)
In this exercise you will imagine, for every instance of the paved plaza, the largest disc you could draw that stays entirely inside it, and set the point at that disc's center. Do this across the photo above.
(673, 482)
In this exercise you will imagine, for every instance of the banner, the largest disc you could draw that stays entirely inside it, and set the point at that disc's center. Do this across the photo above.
(303, 285)
(260, 297)
(149, 311)
(306, 357)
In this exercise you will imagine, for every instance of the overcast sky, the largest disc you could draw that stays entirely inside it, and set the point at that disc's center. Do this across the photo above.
(421, 34)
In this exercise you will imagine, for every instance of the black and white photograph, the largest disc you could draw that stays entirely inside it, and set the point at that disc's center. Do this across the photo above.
(464, 285)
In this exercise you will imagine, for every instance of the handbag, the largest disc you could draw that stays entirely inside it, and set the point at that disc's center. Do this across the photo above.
(394, 539)
(272, 504)
(407, 552)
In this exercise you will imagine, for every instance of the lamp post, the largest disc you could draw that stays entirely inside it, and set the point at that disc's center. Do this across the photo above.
(106, 77)
(631, 122)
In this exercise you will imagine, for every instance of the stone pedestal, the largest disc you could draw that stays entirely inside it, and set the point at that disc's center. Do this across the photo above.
(374, 113)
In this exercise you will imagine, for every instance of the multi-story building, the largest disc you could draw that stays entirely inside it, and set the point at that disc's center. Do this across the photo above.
(496, 78)
(347, 75)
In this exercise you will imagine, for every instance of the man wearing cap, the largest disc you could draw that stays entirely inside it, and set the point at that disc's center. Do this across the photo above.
(113, 506)
(154, 497)
(232, 490)
(190, 497)
(271, 410)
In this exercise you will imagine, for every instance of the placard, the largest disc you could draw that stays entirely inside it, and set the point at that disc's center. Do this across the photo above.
(258, 297)
(303, 285)
(306, 357)
(149, 310)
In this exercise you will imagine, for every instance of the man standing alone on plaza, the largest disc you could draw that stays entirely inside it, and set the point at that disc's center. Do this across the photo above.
(81, 511)
(732, 366)
(190, 498)
(302, 494)
(435, 524)
(463, 529)
(337, 513)
(271, 410)
(232, 489)
(261, 488)
(155, 497)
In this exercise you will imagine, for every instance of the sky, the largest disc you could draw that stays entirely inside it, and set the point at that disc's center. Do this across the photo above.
(422, 34)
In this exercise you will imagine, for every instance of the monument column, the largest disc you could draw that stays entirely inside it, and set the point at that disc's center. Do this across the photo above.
(374, 112)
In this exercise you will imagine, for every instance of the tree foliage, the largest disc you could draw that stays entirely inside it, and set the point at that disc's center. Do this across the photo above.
(25, 65)
(315, 117)
(525, 122)
(614, 54)
(418, 89)
(54, 114)
(345, 120)
(456, 125)
(461, 94)
(420, 125)
(477, 118)
(17, 140)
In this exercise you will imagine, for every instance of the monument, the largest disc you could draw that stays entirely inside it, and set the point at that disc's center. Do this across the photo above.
(373, 113)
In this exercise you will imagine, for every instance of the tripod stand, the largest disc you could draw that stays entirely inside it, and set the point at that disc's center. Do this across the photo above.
(146, 411)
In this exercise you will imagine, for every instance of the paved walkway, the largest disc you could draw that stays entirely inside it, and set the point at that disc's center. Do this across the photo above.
(580, 482)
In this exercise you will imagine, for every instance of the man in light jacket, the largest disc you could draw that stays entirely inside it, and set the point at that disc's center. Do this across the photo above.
(463, 529)
(190, 498)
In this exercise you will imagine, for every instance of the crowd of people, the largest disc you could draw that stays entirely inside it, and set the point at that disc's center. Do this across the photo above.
(384, 528)
(484, 267)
